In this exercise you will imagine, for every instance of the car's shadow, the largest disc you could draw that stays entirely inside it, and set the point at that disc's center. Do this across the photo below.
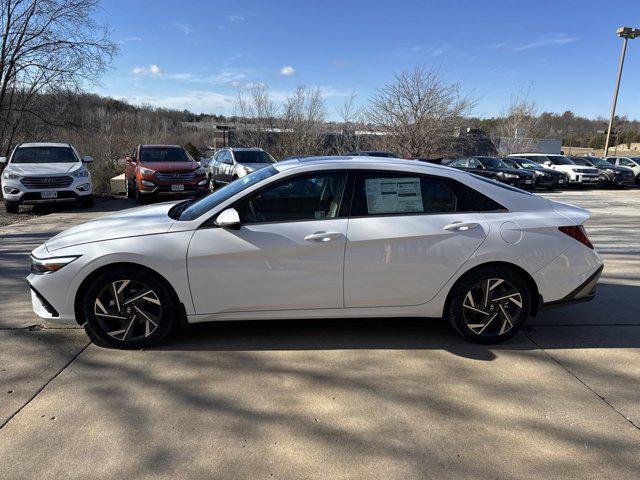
(579, 326)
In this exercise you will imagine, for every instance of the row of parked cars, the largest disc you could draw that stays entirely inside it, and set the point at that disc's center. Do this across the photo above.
(551, 171)
(55, 172)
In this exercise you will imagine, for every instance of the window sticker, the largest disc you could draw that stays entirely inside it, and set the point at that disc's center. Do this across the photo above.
(393, 195)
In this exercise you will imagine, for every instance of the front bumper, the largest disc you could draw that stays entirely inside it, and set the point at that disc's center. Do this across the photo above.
(14, 192)
(199, 186)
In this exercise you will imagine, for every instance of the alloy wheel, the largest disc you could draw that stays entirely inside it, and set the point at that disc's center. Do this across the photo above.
(128, 310)
(491, 307)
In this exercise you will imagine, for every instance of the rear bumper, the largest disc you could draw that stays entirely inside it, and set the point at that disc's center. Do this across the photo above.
(583, 293)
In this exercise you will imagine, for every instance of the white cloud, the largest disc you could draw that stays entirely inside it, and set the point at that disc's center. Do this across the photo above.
(287, 70)
(548, 40)
(234, 18)
(185, 27)
(196, 101)
(129, 40)
(152, 69)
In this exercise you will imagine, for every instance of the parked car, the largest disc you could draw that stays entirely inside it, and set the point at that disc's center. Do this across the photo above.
(275, 244)
(45, 173)
(495, 169)
(577, 175)
(630, 162)
(154, 171)
(609, 175)
(544, 177)
(371, 153)
(229, 164)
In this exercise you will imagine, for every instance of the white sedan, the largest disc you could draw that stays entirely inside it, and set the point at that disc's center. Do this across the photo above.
(325, 237)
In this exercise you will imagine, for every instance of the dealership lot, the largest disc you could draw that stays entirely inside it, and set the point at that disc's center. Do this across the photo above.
(373, 399)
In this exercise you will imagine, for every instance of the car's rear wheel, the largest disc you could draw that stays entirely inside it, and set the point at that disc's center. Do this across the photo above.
(129, 308)
(489, 305)
(128, 188)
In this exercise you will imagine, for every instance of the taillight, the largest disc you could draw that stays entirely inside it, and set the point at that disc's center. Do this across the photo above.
(577, 232)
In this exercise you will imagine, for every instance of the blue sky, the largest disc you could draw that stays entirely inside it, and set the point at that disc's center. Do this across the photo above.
(196, 54)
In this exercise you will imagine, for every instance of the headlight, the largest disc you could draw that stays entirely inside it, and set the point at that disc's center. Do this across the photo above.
(146, 171)
(508, 175)
(200, 171)
(11, 176)
(539, 173)
(50, 265)
(80, 173)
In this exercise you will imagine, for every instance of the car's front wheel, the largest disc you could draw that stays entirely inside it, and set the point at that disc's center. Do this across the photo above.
(489, 305)
(129, 308)
(12, 207)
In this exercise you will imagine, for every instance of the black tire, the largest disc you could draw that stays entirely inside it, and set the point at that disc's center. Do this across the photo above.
(129, 322)
(87, 202)
(129, 189)
(12, 207)
(461, 314)
(140, 199)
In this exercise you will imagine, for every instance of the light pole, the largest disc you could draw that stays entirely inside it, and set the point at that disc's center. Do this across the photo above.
(625, 33)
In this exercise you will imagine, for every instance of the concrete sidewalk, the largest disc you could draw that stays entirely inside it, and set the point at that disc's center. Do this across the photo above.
(347, 399)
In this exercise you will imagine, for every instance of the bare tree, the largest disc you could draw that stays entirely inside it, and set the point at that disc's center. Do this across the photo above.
(350, 119)
(417, 112)
(302, 123)
(46, 46)
(519, 126)
(257, 112)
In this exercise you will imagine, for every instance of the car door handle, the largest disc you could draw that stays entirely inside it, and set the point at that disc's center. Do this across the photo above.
(461, 226)
(322, 236)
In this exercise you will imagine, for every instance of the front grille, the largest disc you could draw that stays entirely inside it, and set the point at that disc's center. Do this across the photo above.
(593, 171)
(175, 176)
(39, 183)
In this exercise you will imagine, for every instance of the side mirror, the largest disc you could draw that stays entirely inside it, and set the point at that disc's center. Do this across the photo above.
(229, 218)
(547, 163)
(129, 159)
(3, 159)
(87, 159)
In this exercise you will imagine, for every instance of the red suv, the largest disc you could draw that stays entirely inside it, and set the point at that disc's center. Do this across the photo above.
(158, 170)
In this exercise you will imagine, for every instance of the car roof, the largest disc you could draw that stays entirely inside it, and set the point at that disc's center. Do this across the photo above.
(361, 162)
(244, 149)
(43, 144)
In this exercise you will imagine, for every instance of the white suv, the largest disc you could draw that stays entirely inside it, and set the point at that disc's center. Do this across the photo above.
(576, 174)
(45, 172)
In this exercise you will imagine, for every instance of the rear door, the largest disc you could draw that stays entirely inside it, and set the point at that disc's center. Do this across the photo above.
(406, 238)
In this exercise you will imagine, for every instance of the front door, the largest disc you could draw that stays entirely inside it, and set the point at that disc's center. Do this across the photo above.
(406, 239)
(288, 253)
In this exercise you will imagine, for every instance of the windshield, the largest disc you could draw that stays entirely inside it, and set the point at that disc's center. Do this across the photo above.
(599, 162)
(253, 156)
(581, 161)
(493, 162)
(194, 210)
(44, 155)
(560, 160)
(530, 165)
(164, 154)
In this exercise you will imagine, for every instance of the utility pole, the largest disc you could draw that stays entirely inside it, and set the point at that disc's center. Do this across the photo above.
(625, 33)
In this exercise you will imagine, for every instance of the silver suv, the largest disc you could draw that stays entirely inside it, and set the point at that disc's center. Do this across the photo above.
(229, 164)
(631, 162)
(43, 173)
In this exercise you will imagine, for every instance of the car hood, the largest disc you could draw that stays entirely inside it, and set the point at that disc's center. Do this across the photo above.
(42, 168)
(170, 166)
(135, 222)
(515, 171)
(255, 166)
